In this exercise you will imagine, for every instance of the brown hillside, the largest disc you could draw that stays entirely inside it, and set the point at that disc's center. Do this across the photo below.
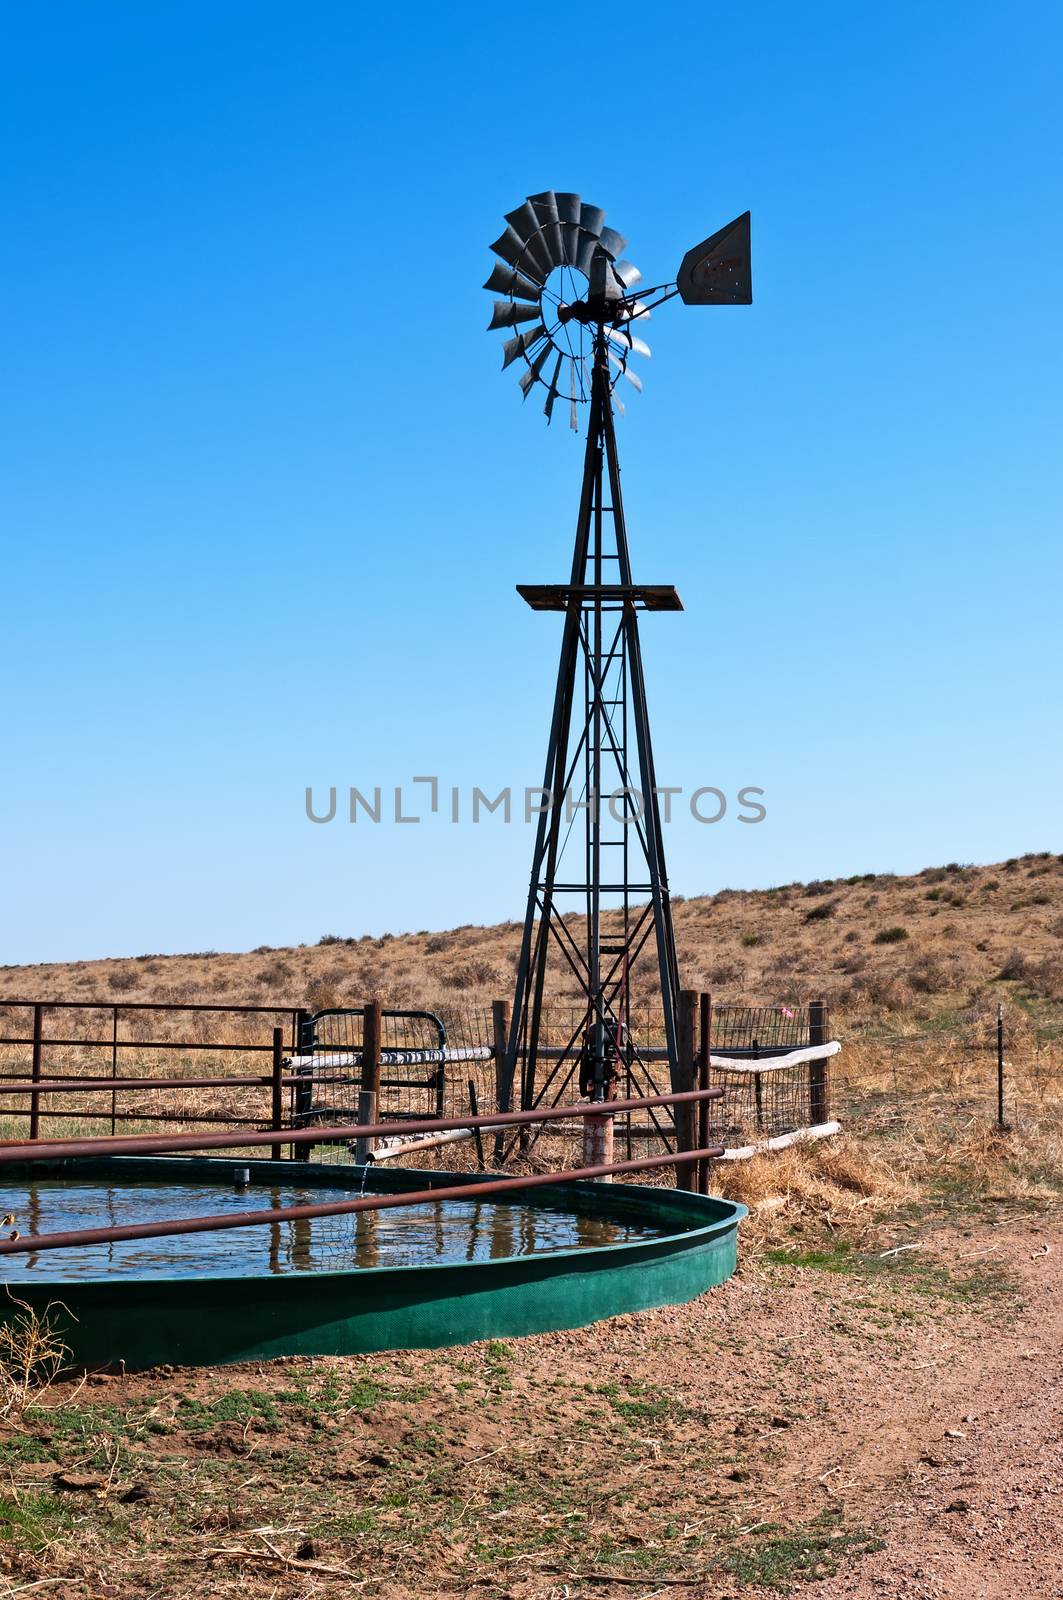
(943, 941)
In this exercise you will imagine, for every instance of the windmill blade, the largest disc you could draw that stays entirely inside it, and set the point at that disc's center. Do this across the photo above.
(511, 247)
(718, 271)
(517, 347)
(612, 243)
(570, 238)
(504, 280)
(545, 206)
(523, 221)
(548, 409)
(508, 313)
(624, 371)
(527, 225)
(573, 415)
(591, 219)
(637, 309)
(524, 225)
(568, 210)
(586, 246)
(627, 272)
(628, 341)
(530, 376)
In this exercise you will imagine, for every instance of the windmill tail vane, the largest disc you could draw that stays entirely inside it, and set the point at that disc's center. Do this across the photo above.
(598, 899)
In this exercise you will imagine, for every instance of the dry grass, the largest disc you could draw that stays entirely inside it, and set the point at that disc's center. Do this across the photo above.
(925, 1158)
(32, 1354)
(972, 933)
(916, 1014)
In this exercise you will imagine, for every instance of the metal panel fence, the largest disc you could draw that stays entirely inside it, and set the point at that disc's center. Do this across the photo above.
(97, 1067)
(98, 1064)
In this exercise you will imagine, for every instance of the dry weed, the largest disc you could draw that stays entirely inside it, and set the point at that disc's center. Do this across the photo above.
(32, 1354)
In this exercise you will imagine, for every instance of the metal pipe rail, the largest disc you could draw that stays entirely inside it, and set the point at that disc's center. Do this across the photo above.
(338, 1208)
(147, 1044)
(149, 1144)
(23, 1004)
(110, 1085)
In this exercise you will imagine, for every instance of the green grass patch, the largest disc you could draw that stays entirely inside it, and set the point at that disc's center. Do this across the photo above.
(239, 1405)
(32, 1521)
(643, 1403)
(352, 1525)
(782, 1557)
(916, 1270)
(22, 1447)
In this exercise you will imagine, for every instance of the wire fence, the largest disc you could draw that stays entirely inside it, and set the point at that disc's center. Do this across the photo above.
(445, 1061)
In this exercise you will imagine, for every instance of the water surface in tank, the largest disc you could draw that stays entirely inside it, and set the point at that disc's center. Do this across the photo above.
(408, 1236)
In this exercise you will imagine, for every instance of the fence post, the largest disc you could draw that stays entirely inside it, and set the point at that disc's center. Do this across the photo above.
(598, 1143)
(500, 1043)
(35, 1073)
(372, 1027)
(363, 1148)
(818, 1082)
(684, 1078)
(1001, 1124)
(704, 1050)
(277, 1096)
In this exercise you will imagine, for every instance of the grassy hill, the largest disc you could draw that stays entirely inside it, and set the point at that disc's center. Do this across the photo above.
(944, 942)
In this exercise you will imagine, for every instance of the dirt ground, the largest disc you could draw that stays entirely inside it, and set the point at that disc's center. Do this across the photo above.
(855, 1422)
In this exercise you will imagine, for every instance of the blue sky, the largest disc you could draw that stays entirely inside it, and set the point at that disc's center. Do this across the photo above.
(265, 494)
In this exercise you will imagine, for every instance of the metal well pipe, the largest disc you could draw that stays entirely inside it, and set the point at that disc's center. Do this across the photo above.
(162, 1144)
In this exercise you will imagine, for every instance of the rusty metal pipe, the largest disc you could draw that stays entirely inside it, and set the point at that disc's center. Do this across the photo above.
(163, 1144)
(148, 1005)
(98, 1085)
(147, 1044)
(336, 1208)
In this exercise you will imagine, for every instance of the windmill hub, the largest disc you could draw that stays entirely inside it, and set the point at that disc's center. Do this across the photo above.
(590, 311)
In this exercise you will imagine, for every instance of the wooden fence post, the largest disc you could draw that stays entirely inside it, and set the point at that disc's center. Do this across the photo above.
(367, 1109)
(818, 1079)
(372, 1029)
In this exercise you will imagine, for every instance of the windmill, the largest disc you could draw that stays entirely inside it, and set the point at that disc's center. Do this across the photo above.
(566, 297)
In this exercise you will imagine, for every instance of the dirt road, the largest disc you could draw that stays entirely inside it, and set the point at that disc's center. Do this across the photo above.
(978, 1507)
